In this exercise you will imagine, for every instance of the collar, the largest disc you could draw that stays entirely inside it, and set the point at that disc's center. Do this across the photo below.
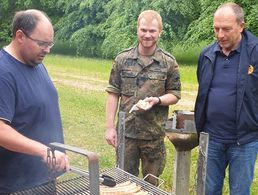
(237, 49)
(135, 54)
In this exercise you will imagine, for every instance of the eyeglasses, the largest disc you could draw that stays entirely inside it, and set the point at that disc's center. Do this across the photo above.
(41, 44)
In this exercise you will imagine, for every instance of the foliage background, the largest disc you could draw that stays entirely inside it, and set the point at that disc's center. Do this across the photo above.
(102, 28)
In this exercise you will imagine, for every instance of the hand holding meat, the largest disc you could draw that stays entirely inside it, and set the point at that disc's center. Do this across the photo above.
(146, 104)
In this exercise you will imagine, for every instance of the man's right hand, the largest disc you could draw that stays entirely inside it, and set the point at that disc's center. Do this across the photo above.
(62, 162)
(111, 137)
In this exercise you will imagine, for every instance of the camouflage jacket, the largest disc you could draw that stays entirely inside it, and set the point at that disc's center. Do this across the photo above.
(133, 81)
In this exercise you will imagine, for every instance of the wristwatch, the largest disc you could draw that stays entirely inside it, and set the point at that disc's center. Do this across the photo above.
(159, 102)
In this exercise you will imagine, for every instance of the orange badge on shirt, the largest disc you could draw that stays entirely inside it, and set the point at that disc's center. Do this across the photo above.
(250, 69)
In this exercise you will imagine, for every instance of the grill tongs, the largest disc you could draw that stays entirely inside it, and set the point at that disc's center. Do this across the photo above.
(93, 174)
(103, 179)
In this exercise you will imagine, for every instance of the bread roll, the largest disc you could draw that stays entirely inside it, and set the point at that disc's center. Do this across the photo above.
(140, 105)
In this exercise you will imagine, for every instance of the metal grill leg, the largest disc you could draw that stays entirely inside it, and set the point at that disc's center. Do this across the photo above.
(182, 173)
(120, 140)
(202, 163)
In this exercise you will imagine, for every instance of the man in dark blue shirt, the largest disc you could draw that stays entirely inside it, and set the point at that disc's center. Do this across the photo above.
(227, 102)
(29, 112)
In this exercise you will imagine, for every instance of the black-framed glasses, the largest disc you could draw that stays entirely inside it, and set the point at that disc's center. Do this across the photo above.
(41, 44)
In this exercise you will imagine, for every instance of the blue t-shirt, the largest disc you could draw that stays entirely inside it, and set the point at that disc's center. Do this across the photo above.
(29, 103)
(221, 104)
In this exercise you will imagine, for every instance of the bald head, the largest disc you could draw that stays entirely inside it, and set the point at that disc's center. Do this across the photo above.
(231, 8)
(149, 16)
(27, 21)
(228, 24)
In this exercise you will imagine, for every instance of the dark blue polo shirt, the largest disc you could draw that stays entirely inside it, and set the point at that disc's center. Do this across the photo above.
(221, 104)
(29, 104)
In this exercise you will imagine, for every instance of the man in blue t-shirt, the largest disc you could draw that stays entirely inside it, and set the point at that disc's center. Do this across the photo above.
(227, 102)
(29, 112)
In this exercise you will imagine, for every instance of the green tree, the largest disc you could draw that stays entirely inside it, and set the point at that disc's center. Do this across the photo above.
(251, 12)
(9, 7)
(202, 30)
(102, 28)
(80, 25)
(176, 15)
(5, 19)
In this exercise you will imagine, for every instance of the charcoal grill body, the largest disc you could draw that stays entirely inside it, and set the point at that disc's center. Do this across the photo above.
(181, 131)
(83, 185)
(80, 185)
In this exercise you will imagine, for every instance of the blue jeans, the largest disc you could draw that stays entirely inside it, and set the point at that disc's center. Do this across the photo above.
(240, 160)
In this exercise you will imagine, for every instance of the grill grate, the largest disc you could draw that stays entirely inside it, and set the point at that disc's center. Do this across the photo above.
(80, 185)
(77, 185)
(121, 176)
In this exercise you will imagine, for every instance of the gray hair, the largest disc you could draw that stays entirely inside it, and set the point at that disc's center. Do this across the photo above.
(237, 9)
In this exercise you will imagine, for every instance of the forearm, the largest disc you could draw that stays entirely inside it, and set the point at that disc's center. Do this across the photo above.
(14, 141)
(164, 100)
(111, 109)
(168, 99)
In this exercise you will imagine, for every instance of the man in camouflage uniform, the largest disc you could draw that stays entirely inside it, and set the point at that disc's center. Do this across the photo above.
(143, 72)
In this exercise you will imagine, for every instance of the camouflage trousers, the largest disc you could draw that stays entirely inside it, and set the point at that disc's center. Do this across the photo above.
(151, 154)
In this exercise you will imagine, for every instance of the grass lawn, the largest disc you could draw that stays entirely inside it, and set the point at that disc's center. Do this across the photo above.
(81, 83)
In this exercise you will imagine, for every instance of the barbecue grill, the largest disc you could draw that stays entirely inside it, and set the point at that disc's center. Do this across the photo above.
(80, 185)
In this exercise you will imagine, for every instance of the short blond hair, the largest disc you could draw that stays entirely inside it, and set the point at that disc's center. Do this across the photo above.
(150, 15)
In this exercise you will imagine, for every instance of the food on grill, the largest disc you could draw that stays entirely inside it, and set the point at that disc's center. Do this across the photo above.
(104, 179)
(125, 188)
(140, 105)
